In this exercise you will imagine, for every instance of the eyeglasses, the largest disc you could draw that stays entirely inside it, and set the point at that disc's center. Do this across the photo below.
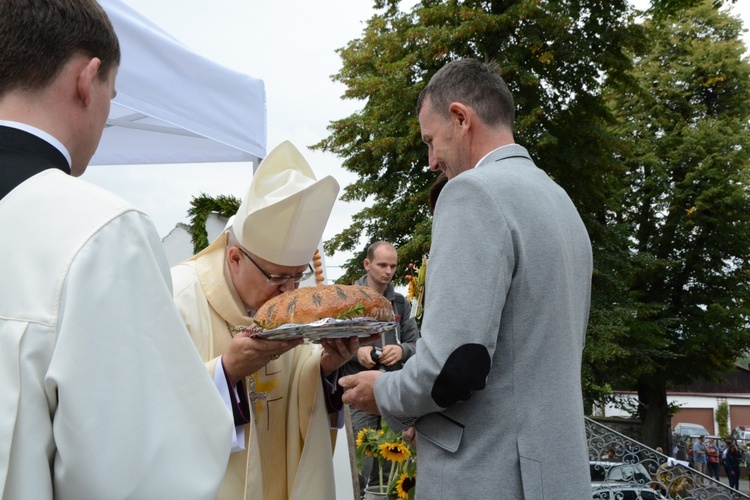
(280, 279)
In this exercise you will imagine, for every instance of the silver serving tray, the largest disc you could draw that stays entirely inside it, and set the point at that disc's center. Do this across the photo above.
(329, 328)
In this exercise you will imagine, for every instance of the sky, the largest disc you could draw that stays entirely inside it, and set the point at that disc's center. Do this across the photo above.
(288, 44)
(291, 46)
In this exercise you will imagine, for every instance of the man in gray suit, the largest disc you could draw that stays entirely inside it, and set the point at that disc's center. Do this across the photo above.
(494, 389)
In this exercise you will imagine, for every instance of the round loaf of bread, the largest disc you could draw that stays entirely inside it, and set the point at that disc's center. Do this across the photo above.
(309, 304)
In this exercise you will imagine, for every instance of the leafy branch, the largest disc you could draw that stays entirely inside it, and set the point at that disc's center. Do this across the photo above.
(353, 312)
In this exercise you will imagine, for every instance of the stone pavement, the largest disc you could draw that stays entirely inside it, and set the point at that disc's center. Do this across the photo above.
(744, 484)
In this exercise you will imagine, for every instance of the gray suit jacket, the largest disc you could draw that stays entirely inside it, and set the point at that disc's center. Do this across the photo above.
(495, 384)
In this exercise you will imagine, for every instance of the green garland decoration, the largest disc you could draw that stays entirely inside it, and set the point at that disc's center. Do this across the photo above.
(722, 418)
(201, 207)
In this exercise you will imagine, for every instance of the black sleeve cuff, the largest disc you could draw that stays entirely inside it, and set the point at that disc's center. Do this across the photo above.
(333, 392)
(241, 408)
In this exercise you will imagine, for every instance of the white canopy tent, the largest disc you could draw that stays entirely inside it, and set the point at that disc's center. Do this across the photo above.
(174, 106)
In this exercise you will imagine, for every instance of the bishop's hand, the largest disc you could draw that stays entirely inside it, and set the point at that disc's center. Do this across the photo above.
(336, 352)
(247, 354)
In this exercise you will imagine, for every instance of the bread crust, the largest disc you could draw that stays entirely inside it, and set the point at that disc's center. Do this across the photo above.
(309, 304)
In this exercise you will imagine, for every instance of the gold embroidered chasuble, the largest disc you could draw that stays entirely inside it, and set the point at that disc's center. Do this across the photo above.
(288, 451)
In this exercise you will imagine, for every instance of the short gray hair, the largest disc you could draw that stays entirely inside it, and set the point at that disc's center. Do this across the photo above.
(475, 84)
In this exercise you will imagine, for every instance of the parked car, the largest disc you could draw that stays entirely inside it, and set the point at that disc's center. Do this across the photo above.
(599, 470)
(616, 491)
(741, 432)
(618, 472)
(684, 429)
(628, 473)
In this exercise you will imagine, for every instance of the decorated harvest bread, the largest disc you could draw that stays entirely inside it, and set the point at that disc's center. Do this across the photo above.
(309, 304)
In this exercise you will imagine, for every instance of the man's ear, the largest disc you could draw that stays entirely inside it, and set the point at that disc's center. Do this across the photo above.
(367, 264)
(233, 259)
(234, 254)
(86, 77)
(459, 112)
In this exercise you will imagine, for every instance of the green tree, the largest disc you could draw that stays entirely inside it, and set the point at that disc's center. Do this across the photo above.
(667, 137)
(684, 203)
(555, 56)
(665, 8)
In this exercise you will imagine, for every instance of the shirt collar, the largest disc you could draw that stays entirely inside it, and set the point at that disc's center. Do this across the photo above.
(496, 149)
(41, 134)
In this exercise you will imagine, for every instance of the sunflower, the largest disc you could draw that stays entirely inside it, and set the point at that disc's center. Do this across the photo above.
(395, 452)
(361, 435)
(367, 441)
(405, 484)
(385, 446)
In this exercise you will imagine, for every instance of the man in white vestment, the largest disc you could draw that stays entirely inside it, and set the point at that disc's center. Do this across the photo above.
(283, 441)
(102, 393)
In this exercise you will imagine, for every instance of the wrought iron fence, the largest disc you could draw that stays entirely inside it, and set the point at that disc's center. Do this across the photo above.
(622, 468)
